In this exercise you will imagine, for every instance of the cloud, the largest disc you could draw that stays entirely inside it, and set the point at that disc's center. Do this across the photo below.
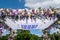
(42, 3)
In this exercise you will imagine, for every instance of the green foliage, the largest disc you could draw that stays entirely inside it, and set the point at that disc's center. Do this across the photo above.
(55, 37)
(23, 31)
(4, 38)
(25, 35)
(34, 37)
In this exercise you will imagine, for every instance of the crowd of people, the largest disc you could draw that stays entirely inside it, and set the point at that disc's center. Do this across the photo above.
(23, 14)
(2, 27)
(26, 14)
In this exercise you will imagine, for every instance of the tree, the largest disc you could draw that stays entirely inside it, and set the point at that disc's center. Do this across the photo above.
(25, 35)
(4, 37)
(35, 37)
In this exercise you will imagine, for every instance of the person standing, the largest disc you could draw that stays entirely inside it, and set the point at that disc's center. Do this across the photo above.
(26, 15)
(16, 14)
(45, 35)
(11, 36)
(32, 14)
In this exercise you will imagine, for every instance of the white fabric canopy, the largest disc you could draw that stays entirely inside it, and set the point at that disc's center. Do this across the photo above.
(41, 24)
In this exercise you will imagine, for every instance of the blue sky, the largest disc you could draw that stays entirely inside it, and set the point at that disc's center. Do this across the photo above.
(12, 4)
